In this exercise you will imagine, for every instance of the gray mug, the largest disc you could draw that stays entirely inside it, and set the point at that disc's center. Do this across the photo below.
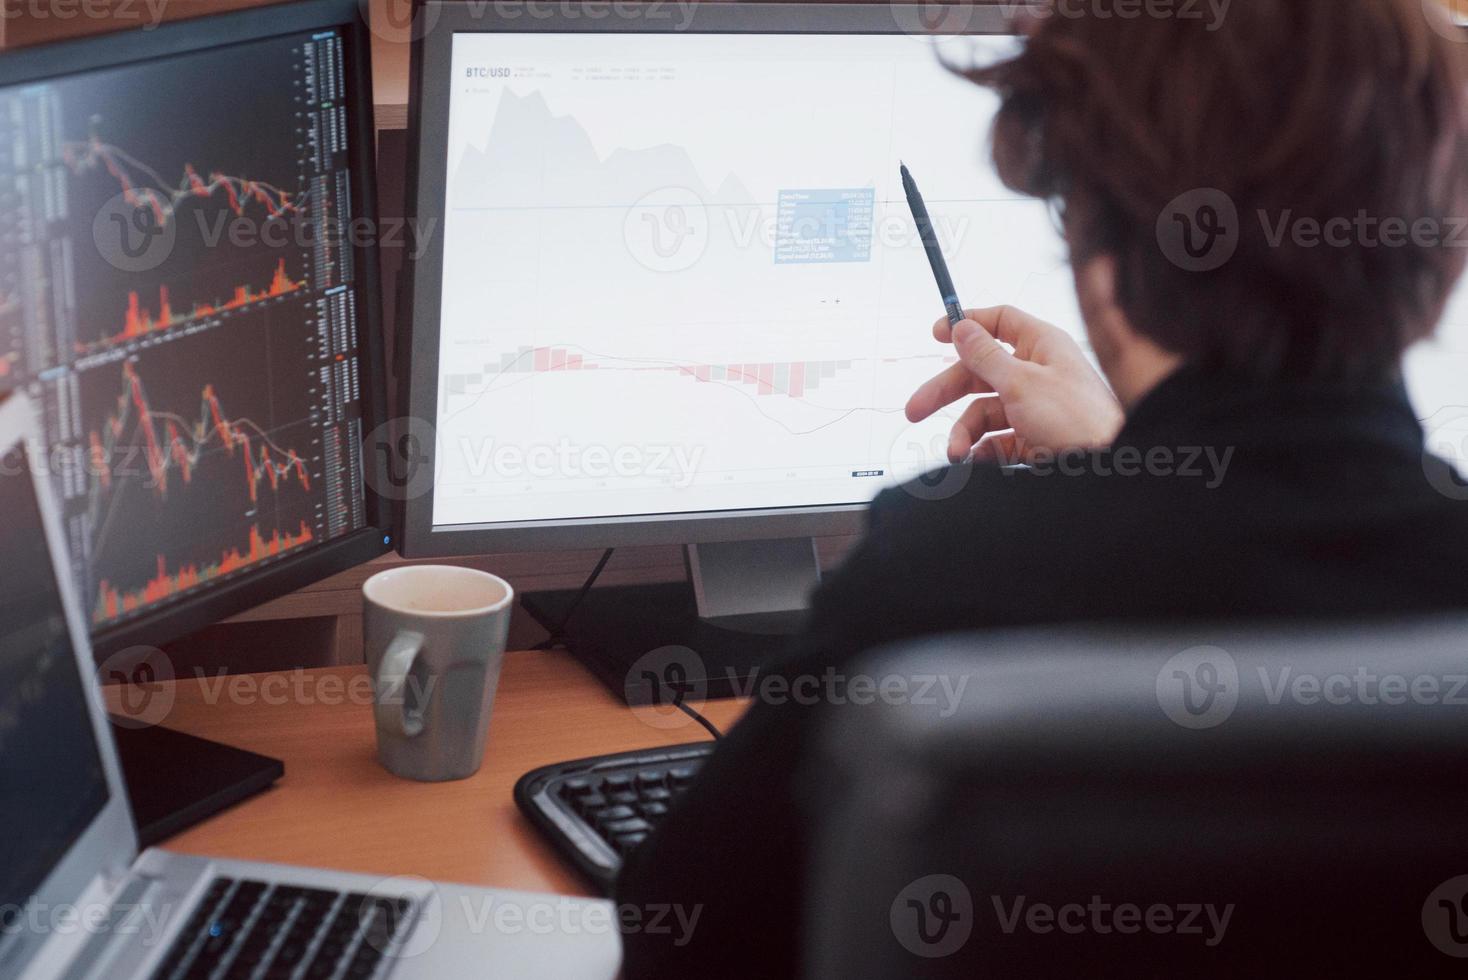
(435, 637)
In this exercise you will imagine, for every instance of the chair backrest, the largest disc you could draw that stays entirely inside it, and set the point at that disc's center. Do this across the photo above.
(1190, 801)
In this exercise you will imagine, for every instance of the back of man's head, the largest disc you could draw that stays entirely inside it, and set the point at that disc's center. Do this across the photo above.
(1283, 184)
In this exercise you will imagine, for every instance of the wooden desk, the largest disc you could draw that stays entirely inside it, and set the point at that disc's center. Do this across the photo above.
(337, 808)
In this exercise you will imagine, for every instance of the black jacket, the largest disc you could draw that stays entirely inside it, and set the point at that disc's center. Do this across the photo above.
(1221, 498)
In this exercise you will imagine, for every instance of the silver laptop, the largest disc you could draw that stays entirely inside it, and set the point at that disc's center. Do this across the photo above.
(77, 900)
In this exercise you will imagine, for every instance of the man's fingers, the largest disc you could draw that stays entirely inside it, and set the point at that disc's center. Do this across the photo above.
(955, 382)
(1004, 449)
(1009, 324)
(1014, 327)
(984, 416)
(984, 356)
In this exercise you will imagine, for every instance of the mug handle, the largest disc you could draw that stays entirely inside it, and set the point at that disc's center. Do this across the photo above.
(390, 707)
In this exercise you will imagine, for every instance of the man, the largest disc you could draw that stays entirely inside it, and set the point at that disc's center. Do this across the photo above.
(1251, 451)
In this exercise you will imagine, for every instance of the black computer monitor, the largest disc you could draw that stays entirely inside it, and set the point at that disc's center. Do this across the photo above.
(677, 297)
(188, 290)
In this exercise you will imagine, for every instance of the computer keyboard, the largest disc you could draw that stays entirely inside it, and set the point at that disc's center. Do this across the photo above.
(597, 810)
(255, 930)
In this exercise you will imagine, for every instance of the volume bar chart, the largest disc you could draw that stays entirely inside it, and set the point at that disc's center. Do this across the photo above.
(792, 379)
(113, 602)
(139, 322)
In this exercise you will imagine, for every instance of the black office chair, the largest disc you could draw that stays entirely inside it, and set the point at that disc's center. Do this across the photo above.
(1325, 821)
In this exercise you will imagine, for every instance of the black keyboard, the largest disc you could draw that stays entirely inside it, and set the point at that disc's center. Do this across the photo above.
(255, 930)
(597, 810)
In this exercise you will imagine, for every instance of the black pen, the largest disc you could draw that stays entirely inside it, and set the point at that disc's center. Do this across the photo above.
(930, 245)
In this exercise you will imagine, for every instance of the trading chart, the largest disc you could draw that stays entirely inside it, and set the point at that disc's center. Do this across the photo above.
(733, 279)
(175, 290)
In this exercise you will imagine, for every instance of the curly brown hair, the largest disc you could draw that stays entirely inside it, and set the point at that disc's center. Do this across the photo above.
(1297, 110)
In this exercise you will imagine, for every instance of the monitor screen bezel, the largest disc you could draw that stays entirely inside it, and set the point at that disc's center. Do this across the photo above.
(434, 27)
(195, 611)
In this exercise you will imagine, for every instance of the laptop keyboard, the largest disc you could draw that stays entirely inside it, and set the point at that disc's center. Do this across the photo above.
(255, 930)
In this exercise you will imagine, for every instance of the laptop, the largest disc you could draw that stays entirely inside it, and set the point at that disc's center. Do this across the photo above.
(77, 900)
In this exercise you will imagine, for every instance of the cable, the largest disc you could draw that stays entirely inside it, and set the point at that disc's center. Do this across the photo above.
(558, 633)
(558, 636)
(709, 726)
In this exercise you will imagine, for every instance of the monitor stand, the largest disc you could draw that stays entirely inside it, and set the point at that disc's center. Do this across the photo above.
(176, 780)
(715, 633)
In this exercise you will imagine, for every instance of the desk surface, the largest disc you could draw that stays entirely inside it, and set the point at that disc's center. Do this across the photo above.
(337, 808)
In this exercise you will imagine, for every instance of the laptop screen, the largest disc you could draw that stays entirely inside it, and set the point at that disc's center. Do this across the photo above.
(52, 784)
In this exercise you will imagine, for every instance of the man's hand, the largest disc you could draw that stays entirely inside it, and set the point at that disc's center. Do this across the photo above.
(1044, 396)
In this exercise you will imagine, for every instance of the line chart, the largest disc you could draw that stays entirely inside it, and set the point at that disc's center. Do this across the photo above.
(182, 443)
(142, 186)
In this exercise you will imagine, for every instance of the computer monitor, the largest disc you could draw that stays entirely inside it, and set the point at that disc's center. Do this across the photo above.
(172, 294)
(188, 291)
(678, 296)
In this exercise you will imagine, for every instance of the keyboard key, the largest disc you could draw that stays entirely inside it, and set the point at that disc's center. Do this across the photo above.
(241, 969)
(573, 789)
(343, 927)
(277, 907)
(290, 952)
(238, 907)
(612, 813)
(250, 890)
(273, 911)
(636, 825)
(617, 781)
(316, 908)
(358, 905)
(652, 811)
(650, 778)
(681, 775)
(310, 919)
(364, 963)
(626, 842)
(656, 795)
(303, 930)
(254, 947)
(388, 913)
(623, 798)
(592, 801)
(216, 889)
(327, 954)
